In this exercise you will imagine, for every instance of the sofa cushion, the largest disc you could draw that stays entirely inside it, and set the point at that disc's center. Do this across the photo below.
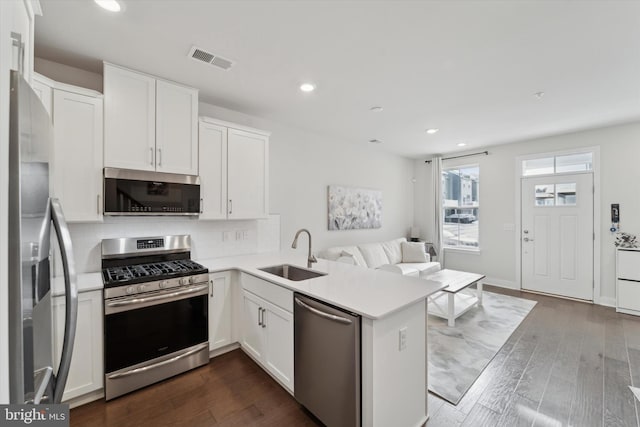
(413, 252)
(425, 268)
(393, 250)
(404, 269)
(373, 255)
(340, 251)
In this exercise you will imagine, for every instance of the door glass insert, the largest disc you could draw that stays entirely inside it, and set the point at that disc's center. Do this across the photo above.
(566, 194)
(545, 195)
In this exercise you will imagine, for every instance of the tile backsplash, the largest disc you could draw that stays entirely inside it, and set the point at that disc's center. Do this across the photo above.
(209, 239)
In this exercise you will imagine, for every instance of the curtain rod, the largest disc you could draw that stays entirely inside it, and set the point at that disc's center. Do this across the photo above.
(486, 153)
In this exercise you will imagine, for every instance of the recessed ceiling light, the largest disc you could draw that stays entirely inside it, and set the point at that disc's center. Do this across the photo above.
(461, 144)
(110, 5)
(375, 141)
(376, 109)
(307, 87)
(432, 131)
(539, 95)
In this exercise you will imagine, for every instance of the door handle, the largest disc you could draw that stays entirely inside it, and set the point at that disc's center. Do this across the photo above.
(201, 205)
(211, 283)
(230, 206)
(159, 156)
(264, 324)
(323, 314)
(526, 239)
(151, 156)
(259, 316)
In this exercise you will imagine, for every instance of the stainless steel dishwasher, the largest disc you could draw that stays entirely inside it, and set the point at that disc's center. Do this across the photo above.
(327, 362)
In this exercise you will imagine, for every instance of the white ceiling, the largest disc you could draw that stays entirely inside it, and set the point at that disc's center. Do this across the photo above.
(469, 68)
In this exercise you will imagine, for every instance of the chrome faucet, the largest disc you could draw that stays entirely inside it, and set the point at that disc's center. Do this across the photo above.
(311, 258)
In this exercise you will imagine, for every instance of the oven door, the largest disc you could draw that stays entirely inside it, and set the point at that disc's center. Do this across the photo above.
(142, 328)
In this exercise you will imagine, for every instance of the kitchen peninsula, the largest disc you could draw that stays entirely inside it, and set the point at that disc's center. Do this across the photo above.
(393, 327)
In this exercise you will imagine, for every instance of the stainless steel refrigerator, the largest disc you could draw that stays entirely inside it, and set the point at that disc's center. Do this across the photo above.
(32, 376)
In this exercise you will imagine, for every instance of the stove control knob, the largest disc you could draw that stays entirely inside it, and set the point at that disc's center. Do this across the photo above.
(183, 281)
(142, 288)
(163, 284)
(130, 290)
(189, 280)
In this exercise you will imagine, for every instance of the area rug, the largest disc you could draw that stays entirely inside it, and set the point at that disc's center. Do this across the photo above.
(458, 355)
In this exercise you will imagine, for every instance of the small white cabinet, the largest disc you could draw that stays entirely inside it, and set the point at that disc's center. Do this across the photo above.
(628, 280)
(267, 327)
(220, 305)
(86, 373)
(150, 124)
(77, 153)
(234, 171)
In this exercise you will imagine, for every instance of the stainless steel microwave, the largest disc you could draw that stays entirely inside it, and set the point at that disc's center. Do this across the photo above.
(132, 192)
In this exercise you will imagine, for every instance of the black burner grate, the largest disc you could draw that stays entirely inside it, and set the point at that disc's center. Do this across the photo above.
(152, 271)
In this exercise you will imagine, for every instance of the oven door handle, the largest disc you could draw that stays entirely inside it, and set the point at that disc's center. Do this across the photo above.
(136, 301)
(159, 364)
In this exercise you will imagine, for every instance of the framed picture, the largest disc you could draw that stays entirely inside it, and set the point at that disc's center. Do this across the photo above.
(354, 208)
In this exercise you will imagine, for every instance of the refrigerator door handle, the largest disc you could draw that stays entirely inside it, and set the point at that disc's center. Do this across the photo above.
(71, 297)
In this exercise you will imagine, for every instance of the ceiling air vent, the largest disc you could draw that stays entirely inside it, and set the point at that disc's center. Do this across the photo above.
(198, 54)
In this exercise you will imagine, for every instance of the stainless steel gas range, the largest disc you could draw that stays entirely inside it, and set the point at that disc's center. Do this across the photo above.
(156, 311)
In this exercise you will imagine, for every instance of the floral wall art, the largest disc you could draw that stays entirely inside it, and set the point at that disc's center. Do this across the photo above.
(354, 208)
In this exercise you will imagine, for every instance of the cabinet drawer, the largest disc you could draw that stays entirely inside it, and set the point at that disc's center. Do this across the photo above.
(275, 294)
(628, 265)
(629, 295)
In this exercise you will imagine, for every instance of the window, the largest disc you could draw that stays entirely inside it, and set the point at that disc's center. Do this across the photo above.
(558, 164)
(460, 205)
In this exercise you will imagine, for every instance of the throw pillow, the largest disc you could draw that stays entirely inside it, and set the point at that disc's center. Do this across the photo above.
(413, 252)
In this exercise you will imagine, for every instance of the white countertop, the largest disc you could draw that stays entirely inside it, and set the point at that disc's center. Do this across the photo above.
(365, 291)
(86, 282)
(368, 292)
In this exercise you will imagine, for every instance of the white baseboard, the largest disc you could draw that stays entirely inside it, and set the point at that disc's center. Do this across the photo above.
(501, 283)
(85, 398)
(223, 350)
(606, 301)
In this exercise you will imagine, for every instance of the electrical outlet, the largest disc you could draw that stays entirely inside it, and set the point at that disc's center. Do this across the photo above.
(245, 234)
(225, 236)
(402, 339)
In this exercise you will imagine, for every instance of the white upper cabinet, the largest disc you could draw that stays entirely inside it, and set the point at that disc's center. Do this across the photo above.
(129, 119)
(213, 171)
(77, 153)
(150, 124)
(248, 171)
(234, 170)
(176, 128)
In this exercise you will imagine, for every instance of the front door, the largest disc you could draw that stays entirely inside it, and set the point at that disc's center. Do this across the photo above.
(557, 235)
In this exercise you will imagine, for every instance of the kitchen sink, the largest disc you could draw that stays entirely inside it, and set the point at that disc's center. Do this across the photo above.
(292, 272)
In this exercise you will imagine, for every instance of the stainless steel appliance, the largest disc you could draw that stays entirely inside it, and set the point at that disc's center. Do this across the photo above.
(32, 378)
(156, 304)
(327, 362)
(131, 192)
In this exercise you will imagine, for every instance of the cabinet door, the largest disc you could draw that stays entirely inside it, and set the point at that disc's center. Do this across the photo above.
(278, 354)
(129, 119)
(248, 174)
(252, 334)
(77, 155)
(213, 171)
(176, 128)
(86, 373)
(44, 92)
(219, 310)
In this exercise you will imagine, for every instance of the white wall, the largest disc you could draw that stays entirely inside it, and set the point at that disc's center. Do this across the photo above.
(65, 74)
(206, 237)
(303, 164)
(619, 175)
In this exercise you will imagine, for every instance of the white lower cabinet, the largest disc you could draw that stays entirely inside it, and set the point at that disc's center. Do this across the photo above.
(220, 310)
(86, 373)
(267, 333)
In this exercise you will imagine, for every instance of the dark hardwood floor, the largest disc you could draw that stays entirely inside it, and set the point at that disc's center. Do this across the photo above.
(568, 364)
(230, 391)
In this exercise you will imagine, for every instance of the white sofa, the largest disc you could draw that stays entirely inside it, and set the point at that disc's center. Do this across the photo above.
(384, 255)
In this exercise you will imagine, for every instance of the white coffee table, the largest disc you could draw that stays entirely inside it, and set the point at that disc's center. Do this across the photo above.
(450, 303)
